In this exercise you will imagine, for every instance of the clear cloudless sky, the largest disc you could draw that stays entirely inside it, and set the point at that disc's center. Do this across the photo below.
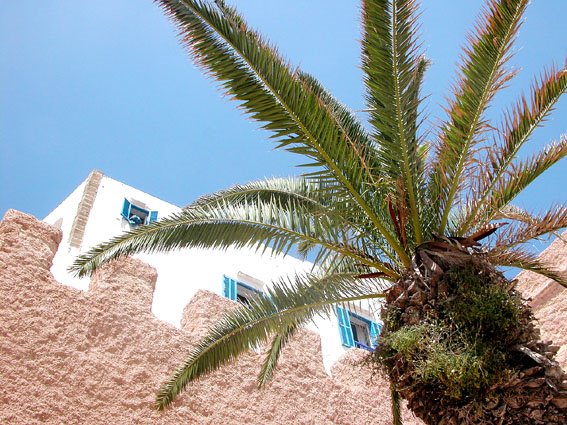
(106, 85)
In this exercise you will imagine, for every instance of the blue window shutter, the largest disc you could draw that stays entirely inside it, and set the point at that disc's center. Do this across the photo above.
(375, 330)
(229, 288)
(126, 209)
(232, 289)
(344, 327)
(153, 217)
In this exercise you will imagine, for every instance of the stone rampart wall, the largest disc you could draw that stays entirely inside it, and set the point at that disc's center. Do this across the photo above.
(549, 299)
(98, 357)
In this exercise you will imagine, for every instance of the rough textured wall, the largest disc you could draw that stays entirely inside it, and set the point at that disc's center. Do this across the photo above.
(97, 357)
(549, 299)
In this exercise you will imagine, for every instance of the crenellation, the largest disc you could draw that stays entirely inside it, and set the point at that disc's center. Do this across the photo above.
(126, 281)
(102, 354)
(32, 241)
(203, 310)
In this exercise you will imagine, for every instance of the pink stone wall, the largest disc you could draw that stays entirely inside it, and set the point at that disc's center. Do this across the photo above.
(98, 357)
(549, 299)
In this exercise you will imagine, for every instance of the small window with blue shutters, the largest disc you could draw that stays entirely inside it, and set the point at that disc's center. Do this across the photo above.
(357, 331)
(136, 215)
(240, 292)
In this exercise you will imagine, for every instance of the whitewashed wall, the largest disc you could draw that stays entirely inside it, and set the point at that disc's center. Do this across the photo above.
(180, 274)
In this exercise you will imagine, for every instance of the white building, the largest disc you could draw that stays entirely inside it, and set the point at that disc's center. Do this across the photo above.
(100, 208)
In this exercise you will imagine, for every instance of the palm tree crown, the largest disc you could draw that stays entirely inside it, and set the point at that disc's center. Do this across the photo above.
(375, 194)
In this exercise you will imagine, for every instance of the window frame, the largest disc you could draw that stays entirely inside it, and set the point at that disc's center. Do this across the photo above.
(373, 329)
(126, 213)
(230, 290)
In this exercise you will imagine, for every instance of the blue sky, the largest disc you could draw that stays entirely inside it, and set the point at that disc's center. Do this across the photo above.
(106, 85)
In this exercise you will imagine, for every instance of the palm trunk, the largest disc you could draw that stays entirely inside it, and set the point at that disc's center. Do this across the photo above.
(461, 347)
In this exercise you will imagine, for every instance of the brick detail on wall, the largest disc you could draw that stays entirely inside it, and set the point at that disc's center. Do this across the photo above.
(84, 209)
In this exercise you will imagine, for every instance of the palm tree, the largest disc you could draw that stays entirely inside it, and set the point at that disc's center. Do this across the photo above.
(386, 209)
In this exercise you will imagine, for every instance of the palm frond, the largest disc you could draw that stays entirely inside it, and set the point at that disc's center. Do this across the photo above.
(529, 226)
(284, 191)
(253, 223)
(522, 259)
(396, 405)
(252, 72)
(392, 65)
(355, 135)
(287, 304)
(272, 356)
(415, 97)
(518, 126)
(513, 212)
(420, 160)
(316, 198)
(482, 75)
(340, 264)
(521, 174)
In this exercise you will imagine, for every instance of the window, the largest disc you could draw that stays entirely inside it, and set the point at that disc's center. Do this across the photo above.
(136, 215)
(357, 331)
(238, 291)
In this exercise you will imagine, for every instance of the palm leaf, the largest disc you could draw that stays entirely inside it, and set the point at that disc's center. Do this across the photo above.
(482, 75)
(315, 197)
(355, 135)
(252, 72)
(415, 119)
(283, 191)
(273, 355)
(396, 405)
(254, 223)
(286, 305)
(525, 260)
(521, 215)
(519, 176)
(518, 127)
(529, 227)
(392, 65)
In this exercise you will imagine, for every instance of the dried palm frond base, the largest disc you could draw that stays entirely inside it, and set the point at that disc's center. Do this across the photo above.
(461, 347)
